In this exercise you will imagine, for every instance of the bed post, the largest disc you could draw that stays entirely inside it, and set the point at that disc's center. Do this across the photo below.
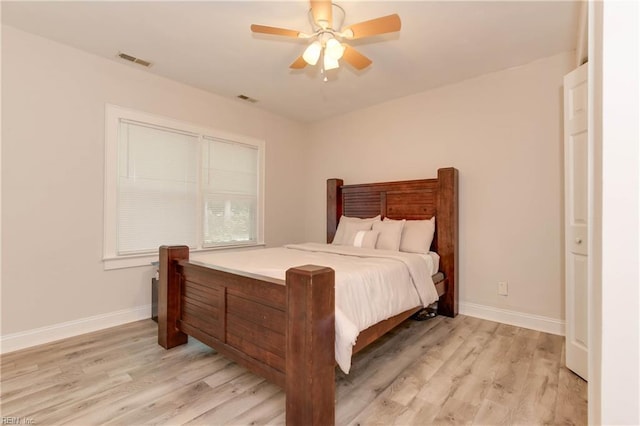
(334, 206)
(169, 296)
(447, 224)
(310, 346)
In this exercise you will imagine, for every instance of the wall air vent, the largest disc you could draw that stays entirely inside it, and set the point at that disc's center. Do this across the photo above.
(134, 59)
(247, 98)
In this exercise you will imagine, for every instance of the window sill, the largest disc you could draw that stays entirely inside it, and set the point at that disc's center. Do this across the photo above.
(139, 260)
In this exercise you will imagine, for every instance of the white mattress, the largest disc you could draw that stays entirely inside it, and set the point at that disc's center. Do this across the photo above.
(371, 285)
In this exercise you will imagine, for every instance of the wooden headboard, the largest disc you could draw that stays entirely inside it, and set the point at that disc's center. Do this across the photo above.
(411, 200)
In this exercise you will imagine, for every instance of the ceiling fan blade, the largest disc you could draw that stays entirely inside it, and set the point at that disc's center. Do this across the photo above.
(321, 11)
(355, 58)
(298, 63)
(263, 29)
(385, 24)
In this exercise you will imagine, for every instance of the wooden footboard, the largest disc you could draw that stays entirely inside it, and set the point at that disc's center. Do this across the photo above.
(285, 333)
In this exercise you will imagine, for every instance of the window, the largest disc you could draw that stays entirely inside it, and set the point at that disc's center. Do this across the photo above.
(174, 183)
(230, 192)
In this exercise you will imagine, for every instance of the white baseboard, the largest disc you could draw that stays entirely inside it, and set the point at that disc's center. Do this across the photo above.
(534, 322)
(38, 336)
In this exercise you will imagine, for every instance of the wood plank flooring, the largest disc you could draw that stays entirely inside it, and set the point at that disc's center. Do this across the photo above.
(441, 371)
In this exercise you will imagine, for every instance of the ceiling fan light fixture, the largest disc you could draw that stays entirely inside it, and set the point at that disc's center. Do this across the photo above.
(329, 62)
(312, 53)
(334, 49)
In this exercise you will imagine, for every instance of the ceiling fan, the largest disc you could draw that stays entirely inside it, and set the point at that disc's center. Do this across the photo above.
(327, 38)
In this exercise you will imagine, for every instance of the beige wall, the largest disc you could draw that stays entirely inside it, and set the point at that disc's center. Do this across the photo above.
(53, 175)
(503, 131)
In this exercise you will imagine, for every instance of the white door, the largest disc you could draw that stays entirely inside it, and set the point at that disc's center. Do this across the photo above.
(575, 206)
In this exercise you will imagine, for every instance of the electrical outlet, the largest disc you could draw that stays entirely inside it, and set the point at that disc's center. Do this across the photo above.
(503, 288)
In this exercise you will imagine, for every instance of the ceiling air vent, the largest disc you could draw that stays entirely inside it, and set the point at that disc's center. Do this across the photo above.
(247, 98)
(134, 59)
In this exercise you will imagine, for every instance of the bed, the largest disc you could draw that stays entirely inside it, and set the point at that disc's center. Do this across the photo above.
(284, 330)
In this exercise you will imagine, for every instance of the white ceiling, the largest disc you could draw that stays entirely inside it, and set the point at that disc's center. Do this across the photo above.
(209, 45)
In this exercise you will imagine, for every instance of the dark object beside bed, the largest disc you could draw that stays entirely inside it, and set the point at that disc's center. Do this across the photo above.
(285, 331)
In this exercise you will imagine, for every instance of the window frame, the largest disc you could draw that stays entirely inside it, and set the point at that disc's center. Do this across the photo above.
(113, 115)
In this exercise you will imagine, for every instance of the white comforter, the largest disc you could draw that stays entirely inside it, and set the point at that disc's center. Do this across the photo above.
(371, 285)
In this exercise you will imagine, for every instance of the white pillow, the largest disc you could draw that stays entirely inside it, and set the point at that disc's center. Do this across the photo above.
(366, 239)
(417, 235)
(349, 226)
(390, 234)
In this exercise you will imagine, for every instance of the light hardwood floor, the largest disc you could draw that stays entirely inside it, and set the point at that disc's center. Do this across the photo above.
(441, 371)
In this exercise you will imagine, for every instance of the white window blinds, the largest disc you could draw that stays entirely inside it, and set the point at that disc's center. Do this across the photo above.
(230, 192)
(169, 182)
(157, 195)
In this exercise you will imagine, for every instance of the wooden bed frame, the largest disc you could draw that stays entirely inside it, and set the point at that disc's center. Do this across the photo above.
(285, 330)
